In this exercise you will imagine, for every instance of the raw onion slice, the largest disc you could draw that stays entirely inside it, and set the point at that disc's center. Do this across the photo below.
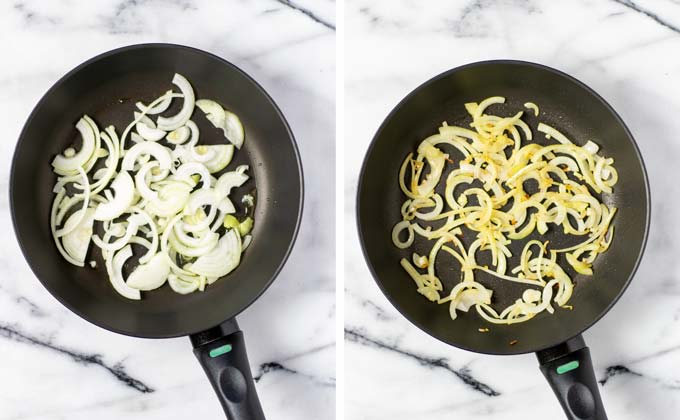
(221, 156)
(160, 153)
(185, 171)
(114, 267)
(151, 200)
(178, 120)
(142, 180)
(223, 119)
(75, 221)
(70, 165)
(123, 198)
(147, 129)
(151, 275)
(233, 129)
(171, 199)
(213, 112)
(185, 284)
(179, 135)
(230, 180)
(222, 260)
(161, 106)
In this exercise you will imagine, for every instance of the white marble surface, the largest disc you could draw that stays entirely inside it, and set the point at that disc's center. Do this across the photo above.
(54, 365)
(628, 53)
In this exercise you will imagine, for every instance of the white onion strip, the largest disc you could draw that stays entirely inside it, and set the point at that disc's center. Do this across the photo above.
(148, 196)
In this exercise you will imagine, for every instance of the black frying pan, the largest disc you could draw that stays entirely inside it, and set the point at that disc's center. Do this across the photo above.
(576, 110)
(106, 88)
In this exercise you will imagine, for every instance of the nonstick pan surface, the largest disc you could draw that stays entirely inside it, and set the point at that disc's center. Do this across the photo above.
(106, 88)
(565, 104)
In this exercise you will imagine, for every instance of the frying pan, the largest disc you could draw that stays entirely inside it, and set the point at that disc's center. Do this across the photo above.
(106, 88)
(577, 111)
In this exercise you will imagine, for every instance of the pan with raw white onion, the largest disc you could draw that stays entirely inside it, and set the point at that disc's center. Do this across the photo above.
(156, 191)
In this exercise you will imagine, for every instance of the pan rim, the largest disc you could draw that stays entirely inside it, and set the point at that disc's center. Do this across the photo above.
(124, 49)
(448, 73)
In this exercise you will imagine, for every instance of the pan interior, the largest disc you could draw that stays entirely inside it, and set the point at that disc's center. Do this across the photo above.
(106, 88)
(565, 104)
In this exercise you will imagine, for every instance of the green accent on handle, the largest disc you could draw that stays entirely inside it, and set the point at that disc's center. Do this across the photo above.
(567, 367)
(219, 351)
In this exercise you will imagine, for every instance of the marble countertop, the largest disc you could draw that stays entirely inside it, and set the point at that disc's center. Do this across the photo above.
(55, 365)
(626, 51)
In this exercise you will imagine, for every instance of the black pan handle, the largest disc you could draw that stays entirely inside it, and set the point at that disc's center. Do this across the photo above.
(222, 353)
(570, 373)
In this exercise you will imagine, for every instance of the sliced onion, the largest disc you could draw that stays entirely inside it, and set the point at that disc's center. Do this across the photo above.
(183, 285)
(136, 138)
(114, 268)
(70, 165)
(141, 182)
(227, 121)
(500, 213)
(436, 160)
(178, 120)
(151, 275)
(162, 106)
(230, 180)
(222, 260)
(221, 157)
(160, 153)
(591, 147)
(199, 199)
(145, 200)
(210, 240)
(179, 135)
(104, 175)
(233, 129)
(185, 171)
(552, 133)
(75, 221)
(171, 199)
(53, 215)
(246, 242)
(533, 107)
(202, 154)
(147, 129)
(396, 232)
(77, 241)
(213, 112)
(152, 247)
(200, 238)
(226, 206)
(123, 198)
(130, 231)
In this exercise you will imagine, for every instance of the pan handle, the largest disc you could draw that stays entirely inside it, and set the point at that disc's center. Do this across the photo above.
(222, 353)
(569, 371)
